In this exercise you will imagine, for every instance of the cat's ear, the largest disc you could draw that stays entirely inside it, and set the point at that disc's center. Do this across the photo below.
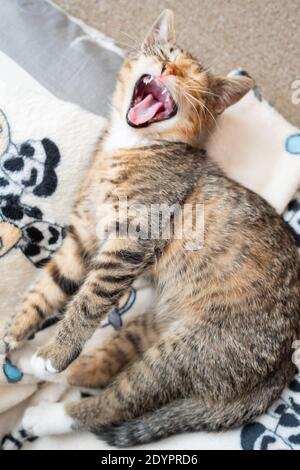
(162, 31)
(228, 91)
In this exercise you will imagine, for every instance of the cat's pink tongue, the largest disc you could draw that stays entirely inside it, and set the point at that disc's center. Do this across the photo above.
(145, 110)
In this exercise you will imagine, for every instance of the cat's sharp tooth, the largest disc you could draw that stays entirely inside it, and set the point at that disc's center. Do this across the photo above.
(164, 91)
(147, 80)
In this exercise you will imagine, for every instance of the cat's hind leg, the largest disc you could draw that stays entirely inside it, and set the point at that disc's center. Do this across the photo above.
(161, 394)
(98, 368)
(156, 378)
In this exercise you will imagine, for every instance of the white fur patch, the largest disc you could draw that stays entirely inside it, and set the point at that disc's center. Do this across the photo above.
(121, 135)
(46, 419)
(42, 367)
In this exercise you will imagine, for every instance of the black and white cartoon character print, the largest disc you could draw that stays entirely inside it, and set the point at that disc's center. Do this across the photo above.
(279, 428)
(292, 217)
(27, 173)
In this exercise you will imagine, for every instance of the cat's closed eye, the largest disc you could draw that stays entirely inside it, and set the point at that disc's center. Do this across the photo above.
(164, 67)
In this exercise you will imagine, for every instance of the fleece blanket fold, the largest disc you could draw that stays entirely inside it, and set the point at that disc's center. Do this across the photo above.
(254, 145)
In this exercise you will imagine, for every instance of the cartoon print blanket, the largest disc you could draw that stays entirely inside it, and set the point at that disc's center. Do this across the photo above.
(27, 168)
(41, 160)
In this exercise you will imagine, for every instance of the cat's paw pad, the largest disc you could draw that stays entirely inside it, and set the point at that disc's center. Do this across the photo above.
(46, 419)
(42, 367)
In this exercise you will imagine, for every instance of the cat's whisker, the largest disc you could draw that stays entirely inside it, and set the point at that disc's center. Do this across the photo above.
(210, 66)
(132, 39)
(196, 110)
(193, 85)
(188, 97)
(201, 90)
(204, 107)
(130, 47)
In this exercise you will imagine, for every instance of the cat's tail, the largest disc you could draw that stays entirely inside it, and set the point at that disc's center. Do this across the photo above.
(193, 414)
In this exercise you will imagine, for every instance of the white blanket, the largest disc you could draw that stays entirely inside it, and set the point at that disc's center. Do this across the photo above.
(257, 147)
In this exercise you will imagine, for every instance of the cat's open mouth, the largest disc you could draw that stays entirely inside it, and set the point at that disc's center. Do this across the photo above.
(151, 102)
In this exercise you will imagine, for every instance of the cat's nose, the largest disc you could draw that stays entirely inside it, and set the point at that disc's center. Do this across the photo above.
(169, 69)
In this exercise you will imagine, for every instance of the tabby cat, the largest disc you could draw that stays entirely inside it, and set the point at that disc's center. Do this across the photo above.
(215, 349)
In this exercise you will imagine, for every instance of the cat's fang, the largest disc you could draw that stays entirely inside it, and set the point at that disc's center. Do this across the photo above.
(148, 80)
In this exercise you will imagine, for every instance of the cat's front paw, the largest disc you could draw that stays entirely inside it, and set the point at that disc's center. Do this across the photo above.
(46, 419)
(52, 359)
(41, 366)
(8, 343)
(20, 328)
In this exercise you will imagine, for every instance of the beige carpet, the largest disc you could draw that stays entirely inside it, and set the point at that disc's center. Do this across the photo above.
(262, 36)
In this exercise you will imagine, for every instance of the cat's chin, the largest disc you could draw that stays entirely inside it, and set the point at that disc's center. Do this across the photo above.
(151, 102)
